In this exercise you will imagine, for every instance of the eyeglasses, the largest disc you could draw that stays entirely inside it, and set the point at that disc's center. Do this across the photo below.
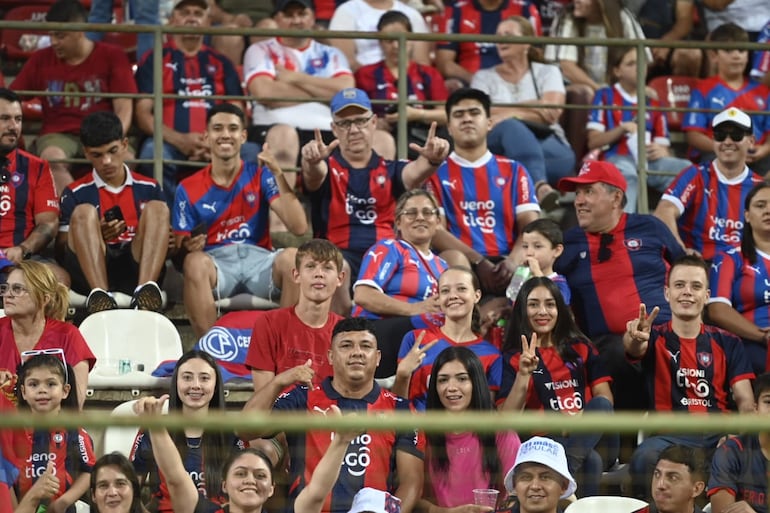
(736, 135)
(360, 123)
(427, 213)
(57, 352)
(13, 289)
(605, 253)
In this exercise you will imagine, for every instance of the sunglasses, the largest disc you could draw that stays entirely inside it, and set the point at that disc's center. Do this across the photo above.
(737, 135)
(57, 352)
(605, 253)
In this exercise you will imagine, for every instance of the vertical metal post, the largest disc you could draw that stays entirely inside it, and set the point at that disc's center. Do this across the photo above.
(402, 144)
(641, 126)
(157, 104)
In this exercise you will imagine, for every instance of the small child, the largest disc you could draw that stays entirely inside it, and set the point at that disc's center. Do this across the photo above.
(543, 242)
(45, 383)
(613, 131)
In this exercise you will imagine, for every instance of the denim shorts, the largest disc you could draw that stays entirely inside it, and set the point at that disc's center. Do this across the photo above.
(244, 268)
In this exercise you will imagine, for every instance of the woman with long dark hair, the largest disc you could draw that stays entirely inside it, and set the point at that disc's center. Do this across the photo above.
(457, 463)
(550, 365)
(196, 390)
(738, 280)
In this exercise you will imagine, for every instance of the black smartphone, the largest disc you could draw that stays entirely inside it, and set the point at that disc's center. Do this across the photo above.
(200, 229)
(113, 214)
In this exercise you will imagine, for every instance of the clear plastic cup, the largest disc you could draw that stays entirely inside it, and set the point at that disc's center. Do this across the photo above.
(485, 497)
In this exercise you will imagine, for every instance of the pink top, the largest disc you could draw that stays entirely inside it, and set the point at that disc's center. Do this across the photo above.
(455, 487)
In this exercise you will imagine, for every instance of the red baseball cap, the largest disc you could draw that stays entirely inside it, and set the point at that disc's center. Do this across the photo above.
(594, 171)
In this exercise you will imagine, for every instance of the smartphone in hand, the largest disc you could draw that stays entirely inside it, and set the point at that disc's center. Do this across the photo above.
(114, 214)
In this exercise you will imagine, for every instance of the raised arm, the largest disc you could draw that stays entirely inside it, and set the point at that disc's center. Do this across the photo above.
(182, 490)
(287, 206)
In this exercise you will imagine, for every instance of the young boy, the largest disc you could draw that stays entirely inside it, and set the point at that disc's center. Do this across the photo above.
(613, 131)
(739, 468)
(728, 88)
(542, 242)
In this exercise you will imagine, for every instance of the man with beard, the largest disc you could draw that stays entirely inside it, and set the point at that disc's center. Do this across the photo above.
(29, 207)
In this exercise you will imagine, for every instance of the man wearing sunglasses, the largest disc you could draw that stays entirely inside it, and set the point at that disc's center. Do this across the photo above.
(610, 259)
(703, 207)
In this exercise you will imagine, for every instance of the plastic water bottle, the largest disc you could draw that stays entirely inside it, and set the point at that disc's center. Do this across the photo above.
(522, 274)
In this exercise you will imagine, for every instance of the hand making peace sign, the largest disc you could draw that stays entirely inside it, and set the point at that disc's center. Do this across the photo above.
(436, 148)
(529, 361)
(317, 150)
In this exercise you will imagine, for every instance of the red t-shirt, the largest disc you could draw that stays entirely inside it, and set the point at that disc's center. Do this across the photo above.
(55, 334)
(105, 70)
(281, 341)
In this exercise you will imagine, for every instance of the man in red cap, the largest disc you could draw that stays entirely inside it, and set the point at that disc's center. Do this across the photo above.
(613, 261)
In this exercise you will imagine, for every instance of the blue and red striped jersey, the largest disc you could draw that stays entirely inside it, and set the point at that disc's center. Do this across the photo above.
(233, 215)
(422, 83)
(559, 385)
(206, 73)
(713, 93)
(72, 452)
(144, 463)
(131, 197)
(398, 269)
(29, 191)
(490, 356)
(605, 120)
(742, 285)
(370, 459)
(469, 17)
(482, 199)
(710, 207)
(606, 295)
(356, 207)
(693, 375)
(740, 468)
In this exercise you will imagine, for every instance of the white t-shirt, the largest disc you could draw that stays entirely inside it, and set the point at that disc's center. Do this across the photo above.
(315, 59)
(359, 16)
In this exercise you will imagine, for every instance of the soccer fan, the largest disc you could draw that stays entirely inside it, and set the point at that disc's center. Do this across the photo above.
(459, 60)
(352, 189)
(74, 64)
(703, 206)
(688, 366)
(740, 300)
(376, 459)
(729, 87)
(613, 261)
(739, 468)
(29, 207)
(540, 478)
(679, 478)
(614, 131)
(295, 340)
(114, 231)
(487, 199)
(193, 70)
(287, 69)
(220, 219)
(362, 16)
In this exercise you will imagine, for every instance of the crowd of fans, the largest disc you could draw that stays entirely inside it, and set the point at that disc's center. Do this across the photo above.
(442, 272)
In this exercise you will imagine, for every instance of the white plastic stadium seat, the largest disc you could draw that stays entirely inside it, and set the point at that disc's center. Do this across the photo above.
(615, 504)
(117, 337)
(120, 438)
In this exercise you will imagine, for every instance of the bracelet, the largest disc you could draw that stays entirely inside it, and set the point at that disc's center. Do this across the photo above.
(435, 164)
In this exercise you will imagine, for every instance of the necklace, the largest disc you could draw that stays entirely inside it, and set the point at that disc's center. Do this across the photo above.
(194, 443)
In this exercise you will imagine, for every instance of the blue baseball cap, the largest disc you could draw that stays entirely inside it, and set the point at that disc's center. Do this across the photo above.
(350, 97)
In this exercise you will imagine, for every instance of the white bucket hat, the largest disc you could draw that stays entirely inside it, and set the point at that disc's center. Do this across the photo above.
(545, 452)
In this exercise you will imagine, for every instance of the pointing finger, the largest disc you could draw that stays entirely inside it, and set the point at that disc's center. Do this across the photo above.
(432, 131)
(318, 137)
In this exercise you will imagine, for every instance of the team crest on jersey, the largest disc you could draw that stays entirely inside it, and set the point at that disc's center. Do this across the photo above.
(500, 181)
(381, 180)
(211, 69)
(17, 179)
(250, 198)
(58, 438)
(582, 255)
(704, 359)
(632, 244)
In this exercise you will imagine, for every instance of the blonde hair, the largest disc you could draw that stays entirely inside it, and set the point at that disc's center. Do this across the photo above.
(42, 282)
(534, 54)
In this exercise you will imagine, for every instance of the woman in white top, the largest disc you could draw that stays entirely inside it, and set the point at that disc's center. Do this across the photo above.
(532, 134)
